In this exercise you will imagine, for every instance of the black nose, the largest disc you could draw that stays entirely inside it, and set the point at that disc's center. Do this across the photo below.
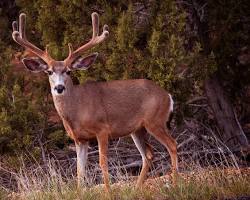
(59, 88)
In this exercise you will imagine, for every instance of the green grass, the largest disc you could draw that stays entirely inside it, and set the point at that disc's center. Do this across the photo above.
(200, 185)
(207, 185)
(3, 194)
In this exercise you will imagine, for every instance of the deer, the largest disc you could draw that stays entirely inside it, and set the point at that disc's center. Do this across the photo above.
(102, 110)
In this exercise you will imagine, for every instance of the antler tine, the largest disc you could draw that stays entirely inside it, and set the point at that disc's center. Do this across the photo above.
(96, 39)
(95, 24)
(22, 24)
(14, 26)
(19, 36)
(70, 48)
(104, 34)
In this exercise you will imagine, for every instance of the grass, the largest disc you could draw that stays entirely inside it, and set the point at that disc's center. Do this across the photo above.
(54, 181)
(3, 194)
(215, 185)
(202, 184)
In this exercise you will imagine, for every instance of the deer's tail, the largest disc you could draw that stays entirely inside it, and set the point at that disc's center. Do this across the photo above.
(170, 115)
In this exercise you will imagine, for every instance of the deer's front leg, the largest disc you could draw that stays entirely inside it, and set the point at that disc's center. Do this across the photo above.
(82, 155)
(103, 161)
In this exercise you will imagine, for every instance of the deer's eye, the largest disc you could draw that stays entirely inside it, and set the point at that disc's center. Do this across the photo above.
(68, 72)
(50, 73)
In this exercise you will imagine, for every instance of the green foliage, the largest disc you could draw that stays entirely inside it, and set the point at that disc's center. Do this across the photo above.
(19, 118)
(123, 63)
(24, 102)
(166, 45)
(229, 35)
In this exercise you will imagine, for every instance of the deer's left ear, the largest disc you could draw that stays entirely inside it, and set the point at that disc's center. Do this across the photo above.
(84, 63)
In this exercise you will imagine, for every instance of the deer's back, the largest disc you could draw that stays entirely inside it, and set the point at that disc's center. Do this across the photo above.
(130, 103)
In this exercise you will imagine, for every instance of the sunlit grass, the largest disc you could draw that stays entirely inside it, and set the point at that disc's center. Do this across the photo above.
(198, 185)
(52, 181)
(3, 194)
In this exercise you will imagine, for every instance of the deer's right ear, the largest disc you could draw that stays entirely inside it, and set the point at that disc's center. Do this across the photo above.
(35, 64)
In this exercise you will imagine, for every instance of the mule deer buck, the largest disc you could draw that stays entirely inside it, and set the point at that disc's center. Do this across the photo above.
(102, 110)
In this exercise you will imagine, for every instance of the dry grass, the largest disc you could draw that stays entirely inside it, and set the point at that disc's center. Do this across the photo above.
(214, 183)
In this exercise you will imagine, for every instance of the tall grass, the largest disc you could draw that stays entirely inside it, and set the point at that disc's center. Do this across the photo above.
(51, 183)
(210, 171)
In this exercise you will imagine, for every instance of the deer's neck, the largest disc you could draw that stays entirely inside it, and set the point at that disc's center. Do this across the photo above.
(63, 103)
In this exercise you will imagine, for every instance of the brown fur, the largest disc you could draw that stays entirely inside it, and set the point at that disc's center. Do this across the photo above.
(118, 107)
(115, 109)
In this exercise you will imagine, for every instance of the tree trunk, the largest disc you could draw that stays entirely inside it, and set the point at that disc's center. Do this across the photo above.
(232, 133)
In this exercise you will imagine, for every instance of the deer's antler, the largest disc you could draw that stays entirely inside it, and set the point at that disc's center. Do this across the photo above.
(96, 39)
(19, 36)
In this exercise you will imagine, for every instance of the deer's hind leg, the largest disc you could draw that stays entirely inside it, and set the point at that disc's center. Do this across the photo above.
(146, 153)
(162, 134)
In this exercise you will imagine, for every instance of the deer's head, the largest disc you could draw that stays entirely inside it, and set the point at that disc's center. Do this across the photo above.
(58, 71)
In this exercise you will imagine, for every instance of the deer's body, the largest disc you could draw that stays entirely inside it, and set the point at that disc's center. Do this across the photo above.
(102, 110)
(117, 108)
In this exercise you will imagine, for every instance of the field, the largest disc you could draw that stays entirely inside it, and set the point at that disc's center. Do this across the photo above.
(208, 170)
(201, 184)
(56, 179)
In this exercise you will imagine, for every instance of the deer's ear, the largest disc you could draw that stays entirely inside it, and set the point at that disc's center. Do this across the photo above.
(84, 63)
(35, 64)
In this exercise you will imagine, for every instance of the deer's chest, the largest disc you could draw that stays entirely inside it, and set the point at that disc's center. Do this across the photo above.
(83, 126)
(84, 130)
(76, 133)
(82, 121)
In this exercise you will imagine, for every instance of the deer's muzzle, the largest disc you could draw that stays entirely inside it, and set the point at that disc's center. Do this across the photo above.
(59, 89)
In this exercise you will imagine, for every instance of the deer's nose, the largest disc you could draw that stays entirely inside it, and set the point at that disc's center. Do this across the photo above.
(59, 88)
